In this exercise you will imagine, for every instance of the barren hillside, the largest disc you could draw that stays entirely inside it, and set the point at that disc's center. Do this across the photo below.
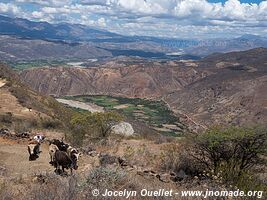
(235, 93)
(131, 81)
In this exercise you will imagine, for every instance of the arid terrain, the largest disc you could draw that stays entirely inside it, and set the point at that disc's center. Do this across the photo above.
(219, 89)
(138, 80)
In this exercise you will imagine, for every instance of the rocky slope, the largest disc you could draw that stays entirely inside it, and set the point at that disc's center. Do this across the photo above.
(235, 93)
(153, 80)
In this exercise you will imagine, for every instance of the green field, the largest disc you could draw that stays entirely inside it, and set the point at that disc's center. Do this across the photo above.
(154, 113)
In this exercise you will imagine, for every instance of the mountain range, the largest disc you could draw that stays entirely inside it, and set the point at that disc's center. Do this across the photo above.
(69, 41)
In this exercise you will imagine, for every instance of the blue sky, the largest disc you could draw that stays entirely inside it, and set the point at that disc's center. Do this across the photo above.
(164, 18)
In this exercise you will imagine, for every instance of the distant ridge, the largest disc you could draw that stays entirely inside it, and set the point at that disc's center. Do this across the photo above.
(43, 30)
(75, 34)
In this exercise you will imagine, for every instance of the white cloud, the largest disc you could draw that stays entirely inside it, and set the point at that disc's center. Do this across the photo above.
(150, 17)
(9, 8)
(101, 22)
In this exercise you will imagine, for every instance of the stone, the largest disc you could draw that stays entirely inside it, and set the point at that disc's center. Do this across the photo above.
(164, 178)
(123, 128)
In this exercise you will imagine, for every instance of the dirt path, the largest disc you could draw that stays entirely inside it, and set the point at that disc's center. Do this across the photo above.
(15, 158)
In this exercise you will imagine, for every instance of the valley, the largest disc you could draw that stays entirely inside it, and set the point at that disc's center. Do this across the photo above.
(154, 114)
(219, 89)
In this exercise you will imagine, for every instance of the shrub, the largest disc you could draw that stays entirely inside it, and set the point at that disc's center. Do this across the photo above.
(22, 126)
(104, 178)
(170, 157)
(232, 151)
(102, 122)
(97, 124)
(6, 118)
(174, 157)
(49, 123)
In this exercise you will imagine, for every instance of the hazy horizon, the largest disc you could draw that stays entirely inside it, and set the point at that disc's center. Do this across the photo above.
(184, 19)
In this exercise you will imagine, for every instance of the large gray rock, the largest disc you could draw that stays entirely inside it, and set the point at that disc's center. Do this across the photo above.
(123, 128)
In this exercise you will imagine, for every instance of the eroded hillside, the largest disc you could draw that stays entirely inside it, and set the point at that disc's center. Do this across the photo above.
(153, 80)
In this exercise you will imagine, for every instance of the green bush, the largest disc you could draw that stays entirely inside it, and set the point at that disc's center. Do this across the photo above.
(102, 122)
(233, 152)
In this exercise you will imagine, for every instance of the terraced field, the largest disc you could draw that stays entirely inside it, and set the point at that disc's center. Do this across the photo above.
(154, 113)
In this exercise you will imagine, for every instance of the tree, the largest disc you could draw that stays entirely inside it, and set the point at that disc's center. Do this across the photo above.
(104, 121)
(234, 150)
(101, 123)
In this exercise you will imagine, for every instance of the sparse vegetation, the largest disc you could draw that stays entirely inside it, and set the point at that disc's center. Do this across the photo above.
(44, 186)
(220, 156)
(20, 126)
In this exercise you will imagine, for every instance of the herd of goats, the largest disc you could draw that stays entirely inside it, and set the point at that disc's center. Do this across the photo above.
(61, 154)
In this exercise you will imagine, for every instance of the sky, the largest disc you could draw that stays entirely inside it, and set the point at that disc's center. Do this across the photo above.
(162, 18)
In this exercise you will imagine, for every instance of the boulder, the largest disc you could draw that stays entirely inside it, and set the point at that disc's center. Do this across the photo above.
(123, 128)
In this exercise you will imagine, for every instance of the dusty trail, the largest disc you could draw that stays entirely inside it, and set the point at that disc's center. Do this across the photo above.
(15, 158)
